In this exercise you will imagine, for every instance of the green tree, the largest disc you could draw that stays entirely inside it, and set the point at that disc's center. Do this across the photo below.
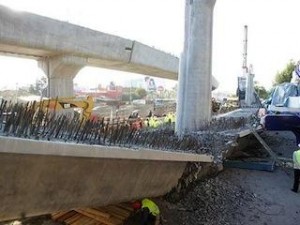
(286, 74)
(39, 86)
(261, 91)
(141, 92)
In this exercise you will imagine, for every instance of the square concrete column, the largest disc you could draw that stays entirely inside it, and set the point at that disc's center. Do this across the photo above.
(61, 72)
(195, 78)
(249, 97)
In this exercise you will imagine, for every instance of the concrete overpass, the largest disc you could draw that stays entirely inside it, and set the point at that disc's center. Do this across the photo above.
(63, 49)
(39, 177)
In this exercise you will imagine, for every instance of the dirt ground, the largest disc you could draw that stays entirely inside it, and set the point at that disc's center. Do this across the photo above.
(237, 196)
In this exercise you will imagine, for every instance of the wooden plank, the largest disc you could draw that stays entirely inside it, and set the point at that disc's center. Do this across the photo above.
(110, 215)
(99, 218)
(90, 222)
(73, 218)
(66, 216)
(83, 220)
(56, 215)
(108, 211)
(97, 212)
(113, 214)
(118, 210)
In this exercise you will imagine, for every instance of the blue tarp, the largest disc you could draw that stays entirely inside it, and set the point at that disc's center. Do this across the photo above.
(280, 94)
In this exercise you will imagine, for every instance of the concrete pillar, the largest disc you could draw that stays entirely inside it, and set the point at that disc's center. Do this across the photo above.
(195, 79)
(249, 97)
(61, 71)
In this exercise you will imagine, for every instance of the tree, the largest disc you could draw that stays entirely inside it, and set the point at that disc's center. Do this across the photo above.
(141, 92)
(286, 74)
(39, 86)
(261, 91)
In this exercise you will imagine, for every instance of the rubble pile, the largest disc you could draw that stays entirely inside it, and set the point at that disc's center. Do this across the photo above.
(211, 201)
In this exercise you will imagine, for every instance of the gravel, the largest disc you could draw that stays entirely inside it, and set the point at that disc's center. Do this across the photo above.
(209, 202)
(240, 197)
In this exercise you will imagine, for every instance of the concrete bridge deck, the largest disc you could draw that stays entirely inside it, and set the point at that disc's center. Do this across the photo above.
(38, 37)
(39, 177)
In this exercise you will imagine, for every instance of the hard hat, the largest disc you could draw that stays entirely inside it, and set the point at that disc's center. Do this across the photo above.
(299, 145)
(136, 205)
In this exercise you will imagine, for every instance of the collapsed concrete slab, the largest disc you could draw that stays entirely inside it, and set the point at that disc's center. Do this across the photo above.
(39, 177)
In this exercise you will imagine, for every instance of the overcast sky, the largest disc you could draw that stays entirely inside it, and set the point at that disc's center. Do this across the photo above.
(272, 32)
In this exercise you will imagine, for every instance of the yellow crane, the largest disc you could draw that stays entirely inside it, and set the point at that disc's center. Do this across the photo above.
(57, 104)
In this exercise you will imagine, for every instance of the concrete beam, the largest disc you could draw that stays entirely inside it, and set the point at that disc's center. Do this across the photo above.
(32, 147)
(30, 34)
(195, 79)
(39, 177)
(33, 36)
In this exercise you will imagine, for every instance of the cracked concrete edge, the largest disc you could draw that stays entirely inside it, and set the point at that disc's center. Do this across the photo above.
(37, 147)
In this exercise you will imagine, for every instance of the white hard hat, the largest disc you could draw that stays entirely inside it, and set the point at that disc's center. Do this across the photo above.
(299, 145)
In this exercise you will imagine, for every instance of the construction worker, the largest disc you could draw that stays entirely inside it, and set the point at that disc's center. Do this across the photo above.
(168, 118)
(296, 161)
(153, 122)
(147, 211)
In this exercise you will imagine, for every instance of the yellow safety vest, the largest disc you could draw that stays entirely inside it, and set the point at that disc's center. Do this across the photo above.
(153, 122)
(296, 159)
(167, 118)
(173, 118)
(153, 208)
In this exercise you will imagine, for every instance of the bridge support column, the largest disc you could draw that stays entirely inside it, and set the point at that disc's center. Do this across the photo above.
(195, 79)
(61, 72)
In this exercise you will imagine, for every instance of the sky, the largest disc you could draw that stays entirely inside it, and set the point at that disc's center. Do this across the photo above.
(273, 35)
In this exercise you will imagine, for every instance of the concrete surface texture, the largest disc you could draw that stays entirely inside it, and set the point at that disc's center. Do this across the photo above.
(32, 147)
(275, 203)
(61, 71)
(249, 96)
(195, 79)
(39, 177)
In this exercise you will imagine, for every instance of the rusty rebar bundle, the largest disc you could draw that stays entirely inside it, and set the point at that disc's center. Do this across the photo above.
(29, 121)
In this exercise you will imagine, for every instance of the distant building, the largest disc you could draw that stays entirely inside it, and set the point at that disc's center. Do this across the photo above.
(148, 83)
(112, 92)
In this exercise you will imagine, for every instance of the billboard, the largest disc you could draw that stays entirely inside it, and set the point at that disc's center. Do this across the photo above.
(150, 84)
(241, 91)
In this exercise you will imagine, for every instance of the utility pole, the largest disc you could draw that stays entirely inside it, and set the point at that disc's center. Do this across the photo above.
(248, 72)
(245, 66)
